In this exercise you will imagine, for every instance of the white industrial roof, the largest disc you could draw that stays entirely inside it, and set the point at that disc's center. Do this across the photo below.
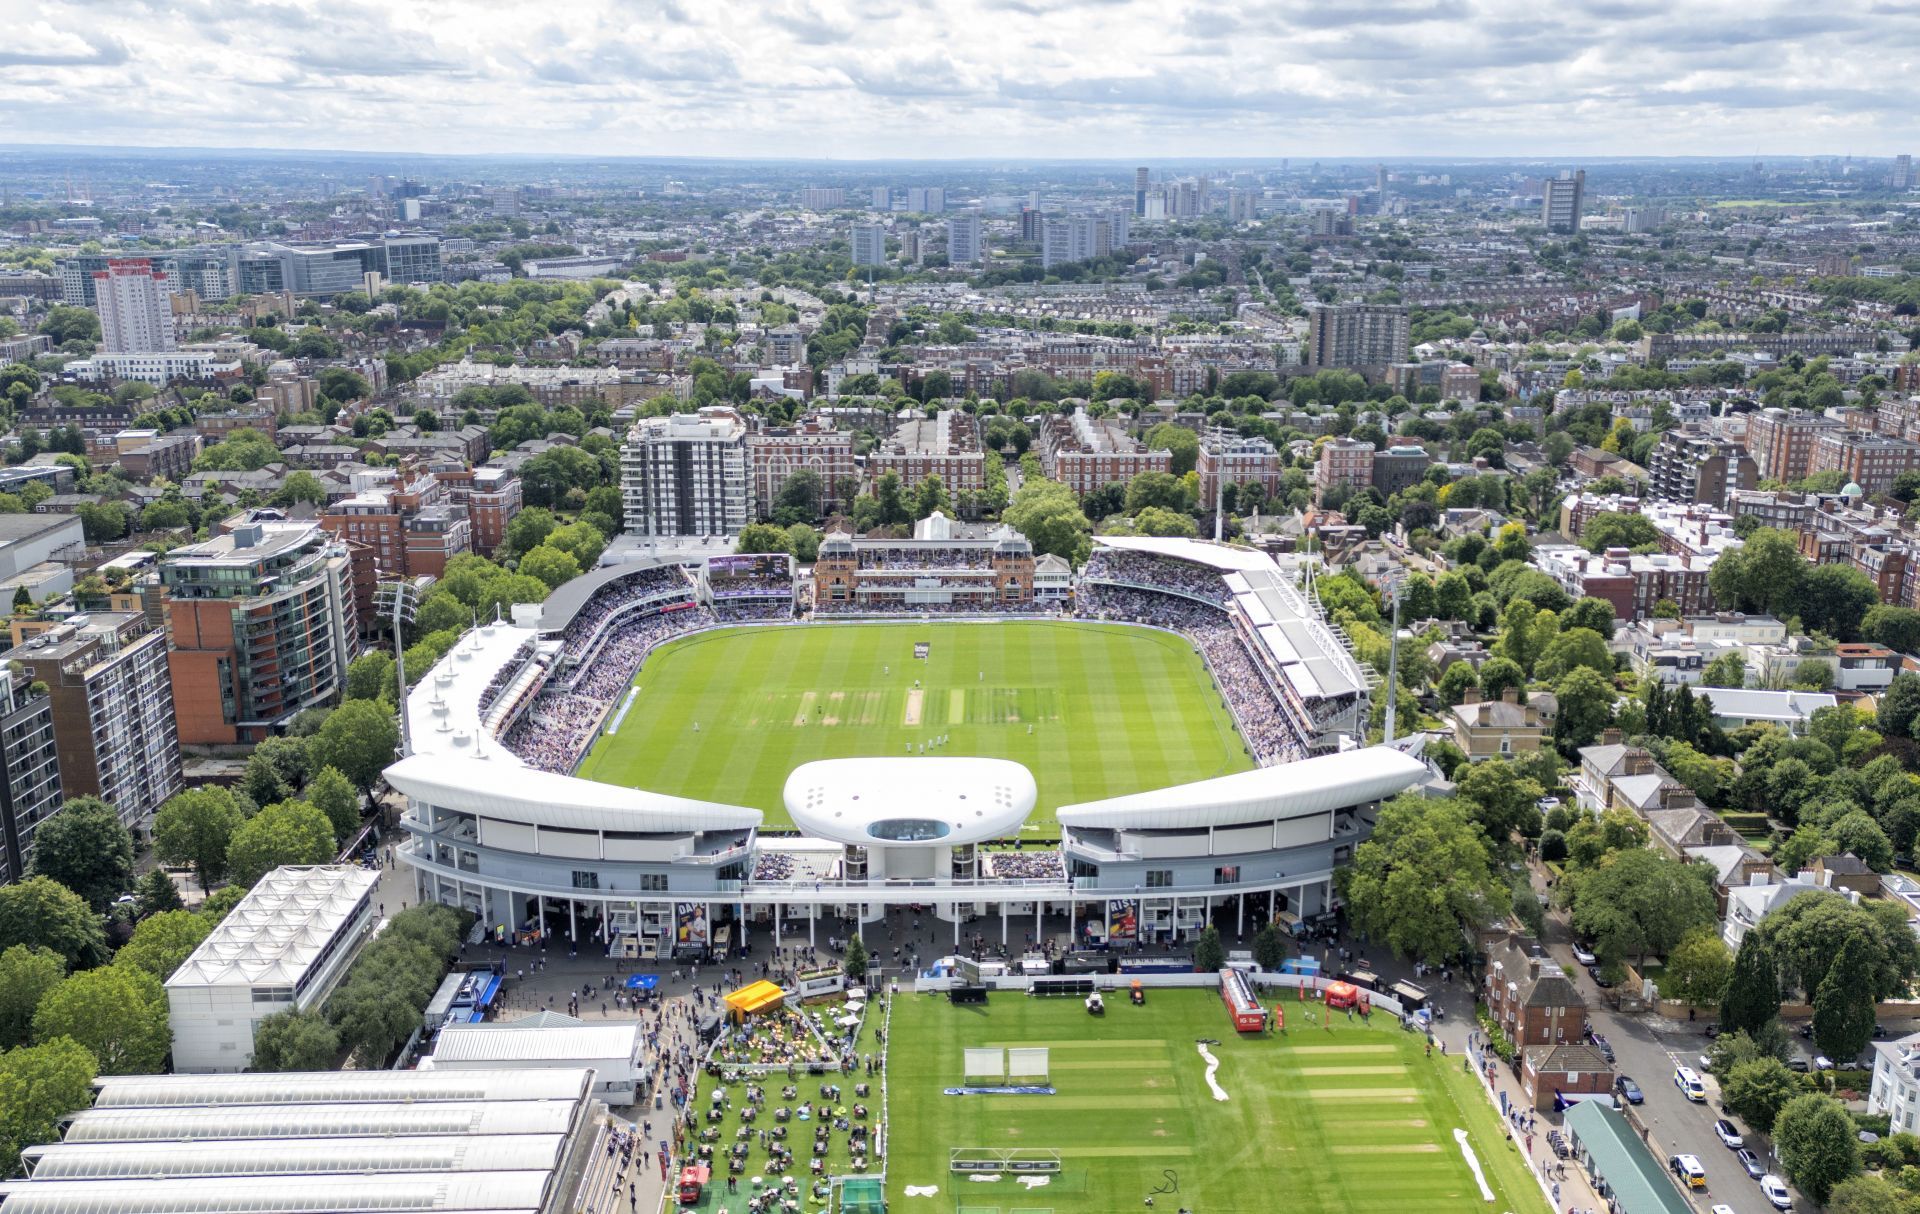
(320, 1121)
(514, 1043)
(1289, 790)
(514, 793)
(279, 929)
(280, 1195)
(903, 802)
(337, 1087)
(443, 707)
(311, 1156)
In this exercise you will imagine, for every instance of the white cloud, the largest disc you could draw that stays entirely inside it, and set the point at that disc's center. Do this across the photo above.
(1079, 78)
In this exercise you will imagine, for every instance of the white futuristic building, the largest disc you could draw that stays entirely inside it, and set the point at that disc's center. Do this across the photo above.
(497, 824)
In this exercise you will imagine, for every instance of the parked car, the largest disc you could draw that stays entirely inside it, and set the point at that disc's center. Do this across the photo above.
(1822, 1063)
(1599, 977)
(1729, 1134)
(1583, 956)
(1688, 1169)
(1776, 1191)
(1604, 1046)
(1629, 1090)
(1712, 1030)
(1798, 1063)
(1721, 1209)
(1751, 1162)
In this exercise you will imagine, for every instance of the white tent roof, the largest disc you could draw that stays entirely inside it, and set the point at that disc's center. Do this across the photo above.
(280, 1195)
(1289, 790)
(337, 1087)
(279, 929)
(286, 1122)
(310, 1156)
(539, 798)
(1218, 556)
(517, 1043)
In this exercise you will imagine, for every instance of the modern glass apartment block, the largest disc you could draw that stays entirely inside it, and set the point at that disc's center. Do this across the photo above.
(262, 622)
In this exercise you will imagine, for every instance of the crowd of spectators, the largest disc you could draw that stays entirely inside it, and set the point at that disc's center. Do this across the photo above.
(1265, 723)
(908, 559)
(1025, 866)
(736, 611)
(559, 725)
(977, 605)
(1140, 568)
(620, 594)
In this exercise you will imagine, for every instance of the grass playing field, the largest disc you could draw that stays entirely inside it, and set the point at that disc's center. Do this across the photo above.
(1092, 710)
(1353, 1120)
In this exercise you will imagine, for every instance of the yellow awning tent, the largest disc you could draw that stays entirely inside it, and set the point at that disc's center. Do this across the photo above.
(756, 997)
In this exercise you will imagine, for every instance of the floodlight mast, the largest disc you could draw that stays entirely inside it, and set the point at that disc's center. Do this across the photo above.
(397, 599)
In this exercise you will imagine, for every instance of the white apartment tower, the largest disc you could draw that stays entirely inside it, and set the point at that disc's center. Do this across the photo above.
(135, 315)
(869, 242)
(687, 474)
(964, 246)
(927, 200)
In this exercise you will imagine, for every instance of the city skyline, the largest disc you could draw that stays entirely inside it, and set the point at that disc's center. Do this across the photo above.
(972, 79)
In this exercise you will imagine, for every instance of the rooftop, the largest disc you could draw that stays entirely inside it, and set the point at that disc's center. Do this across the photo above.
(279, 929)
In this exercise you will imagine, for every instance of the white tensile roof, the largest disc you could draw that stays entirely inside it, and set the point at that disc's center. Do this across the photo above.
(957, 799)
(1223, 557)
(540, 798)
(1289, 790)
(336, 1087)
(310, 1156)
(303, 1194)
(279, 929)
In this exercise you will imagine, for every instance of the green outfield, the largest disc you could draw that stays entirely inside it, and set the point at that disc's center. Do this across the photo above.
(1093, 710)
(1354, 1120)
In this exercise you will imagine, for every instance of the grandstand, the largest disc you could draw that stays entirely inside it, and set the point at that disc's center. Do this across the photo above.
(942, 569)
(498, 823)
(1294, 686)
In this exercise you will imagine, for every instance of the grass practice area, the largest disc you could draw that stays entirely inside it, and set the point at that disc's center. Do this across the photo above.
(1093, 710)
(1353, 1120)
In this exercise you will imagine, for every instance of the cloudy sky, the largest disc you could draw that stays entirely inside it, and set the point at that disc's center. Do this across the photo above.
(969, 78)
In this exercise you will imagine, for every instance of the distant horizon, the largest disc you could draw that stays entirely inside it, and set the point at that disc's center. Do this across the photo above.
(1122, 81)
(1271, 162)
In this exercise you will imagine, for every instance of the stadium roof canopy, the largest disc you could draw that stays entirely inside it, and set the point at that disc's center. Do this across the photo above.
(336, 1087)
(128, 1125)
(510, 1041)
(309, 1156)
(1224, 557)
(279, 929)
(390, 1193)
(538, 798)
(1290, 790)
(568, 598)
(918, 801)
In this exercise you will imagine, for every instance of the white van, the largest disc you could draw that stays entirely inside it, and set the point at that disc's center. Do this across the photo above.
(1688, 1081)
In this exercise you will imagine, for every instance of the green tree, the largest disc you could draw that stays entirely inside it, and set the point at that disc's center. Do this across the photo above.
(1590, 613)
(358, 740)
(550, 565)
(1580, 647)
(1425, 882)
(762, 537)
(529, 529)
(1843, 1006)
(1614, 529)
(1757, 1090)
(334, 795)
(1640, 903)
(1752, 998)
(1270, 947)
(118, 1012)
(1807, 932)
(1899, 706)
(294, 1041)
(1871, 1193)
(161, 942)
(42, 912)
(1727, 670)
(1585, 708)
(1183, 443)
(1457, 682)
(157, 892)
(889, 493)
(39, 1086)
(262, 782)
(1898, 628)
(27, 973)
(194, 828)
(218, 904)
(288, 832)
(86, 848)
(1209, 955)
(582, 541)
(1834, 599)
(1156, 520)
(1592, 838)
(1505, 802)
(1049, 515)
(1498, 674)
(854, 962)
(370, 677)
(301, 486)
(799, 497)
(1764, 575)
(1816, 1142)
(1698, 968)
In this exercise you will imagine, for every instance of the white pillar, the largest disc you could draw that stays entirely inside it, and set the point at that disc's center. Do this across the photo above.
(1273, 905)
(1240, 914)
(956, 925)
(1003, 925)
(812, 908)
(1070, 909)
(573, 925)
(776, 925)
(542, 926)
(1039, 925)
